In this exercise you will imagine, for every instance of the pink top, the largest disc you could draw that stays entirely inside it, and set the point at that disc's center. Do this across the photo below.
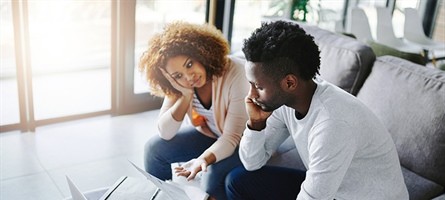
(228, 101)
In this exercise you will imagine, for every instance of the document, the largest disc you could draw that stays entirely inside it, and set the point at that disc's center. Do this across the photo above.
(131, 188)
(174, 190)
(75, 192)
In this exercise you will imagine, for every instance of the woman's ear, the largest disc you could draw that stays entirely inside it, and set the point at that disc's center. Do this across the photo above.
(289, 82)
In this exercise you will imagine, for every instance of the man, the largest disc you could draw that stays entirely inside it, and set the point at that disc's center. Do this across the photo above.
(347, 151)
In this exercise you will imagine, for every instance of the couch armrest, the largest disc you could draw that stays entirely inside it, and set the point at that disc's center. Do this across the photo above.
(441, 197)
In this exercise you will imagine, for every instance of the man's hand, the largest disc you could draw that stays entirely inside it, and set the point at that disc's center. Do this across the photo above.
(257, 117)
(191, 168)
(185, 91)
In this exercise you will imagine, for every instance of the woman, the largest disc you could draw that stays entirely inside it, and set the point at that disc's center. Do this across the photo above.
(188, 65)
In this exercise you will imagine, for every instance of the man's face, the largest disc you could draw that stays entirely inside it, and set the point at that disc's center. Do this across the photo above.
(264, 90)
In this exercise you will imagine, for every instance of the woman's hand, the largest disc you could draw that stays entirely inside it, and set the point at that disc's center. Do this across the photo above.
(191, 168)
(185, 91)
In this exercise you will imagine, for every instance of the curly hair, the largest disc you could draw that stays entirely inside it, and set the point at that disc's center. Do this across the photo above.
(202, 42)
(283, 48)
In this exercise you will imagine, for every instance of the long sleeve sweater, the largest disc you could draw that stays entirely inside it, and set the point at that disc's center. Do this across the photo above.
(347, 151)
(228, 94)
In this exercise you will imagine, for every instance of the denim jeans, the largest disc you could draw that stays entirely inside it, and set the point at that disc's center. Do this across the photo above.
(268, 182)
(186, 145)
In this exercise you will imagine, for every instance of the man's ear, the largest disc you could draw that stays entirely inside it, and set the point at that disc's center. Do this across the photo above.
(289, 82)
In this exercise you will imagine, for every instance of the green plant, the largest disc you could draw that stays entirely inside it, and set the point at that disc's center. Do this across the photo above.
(291, 9)
(299, 10)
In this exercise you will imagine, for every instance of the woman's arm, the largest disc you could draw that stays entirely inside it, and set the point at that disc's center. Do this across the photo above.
(173, 109)
(172, 114)
(230, 113)
(230, 110)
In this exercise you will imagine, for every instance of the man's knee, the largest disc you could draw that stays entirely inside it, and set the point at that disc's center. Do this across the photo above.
(236, 175)
(235, 181)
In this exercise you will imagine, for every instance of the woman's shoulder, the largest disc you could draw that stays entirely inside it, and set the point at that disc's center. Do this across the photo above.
(236, 61)
(234, 74)
(235, 66)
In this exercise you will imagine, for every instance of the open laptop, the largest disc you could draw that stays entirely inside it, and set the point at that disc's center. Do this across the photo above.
(109, 192)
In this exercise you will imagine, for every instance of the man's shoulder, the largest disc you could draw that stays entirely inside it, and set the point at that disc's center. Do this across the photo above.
(328, 92)
(284, 111)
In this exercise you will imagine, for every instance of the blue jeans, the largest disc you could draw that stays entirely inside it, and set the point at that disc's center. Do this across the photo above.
(268, 182)
(186, 145)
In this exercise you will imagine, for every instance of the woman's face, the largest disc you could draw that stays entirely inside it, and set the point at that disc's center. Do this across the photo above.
(187, 72)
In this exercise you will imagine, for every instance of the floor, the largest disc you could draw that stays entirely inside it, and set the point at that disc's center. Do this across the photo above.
(93, 152)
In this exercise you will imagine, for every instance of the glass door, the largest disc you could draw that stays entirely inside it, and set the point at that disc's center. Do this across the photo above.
(55, 62)
(70, 57)
(9, 101)
(67, 60)
(248, 16)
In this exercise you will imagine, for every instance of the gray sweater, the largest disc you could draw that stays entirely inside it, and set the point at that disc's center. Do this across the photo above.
(347, 151)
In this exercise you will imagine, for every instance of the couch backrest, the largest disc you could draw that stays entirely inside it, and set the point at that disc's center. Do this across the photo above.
(410, 101)
(345, 62)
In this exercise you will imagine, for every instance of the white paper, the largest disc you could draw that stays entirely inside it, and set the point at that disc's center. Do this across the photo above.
(174, 190)
(193, 192)
(75, 192)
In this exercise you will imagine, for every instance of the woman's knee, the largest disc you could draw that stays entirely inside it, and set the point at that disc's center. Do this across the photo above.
(153, 153)
(153, 146)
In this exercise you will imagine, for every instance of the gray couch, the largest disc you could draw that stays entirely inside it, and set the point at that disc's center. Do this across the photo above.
(408, 98)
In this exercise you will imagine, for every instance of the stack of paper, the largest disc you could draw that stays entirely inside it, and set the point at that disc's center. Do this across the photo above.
(130, 188)
(174, 190)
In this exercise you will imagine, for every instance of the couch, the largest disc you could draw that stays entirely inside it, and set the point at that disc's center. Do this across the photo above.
(407, 97)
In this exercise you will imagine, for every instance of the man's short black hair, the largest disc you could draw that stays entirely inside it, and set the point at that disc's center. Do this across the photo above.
(283, 48)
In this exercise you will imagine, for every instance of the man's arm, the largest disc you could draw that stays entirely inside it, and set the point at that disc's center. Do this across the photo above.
(256, 147)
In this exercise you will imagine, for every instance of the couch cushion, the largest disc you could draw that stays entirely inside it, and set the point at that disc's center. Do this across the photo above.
(345, 62)
(410, 101)
(420, 188)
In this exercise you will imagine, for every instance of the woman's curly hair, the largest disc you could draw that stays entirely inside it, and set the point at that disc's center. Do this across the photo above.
(202, 42)
(282, 48)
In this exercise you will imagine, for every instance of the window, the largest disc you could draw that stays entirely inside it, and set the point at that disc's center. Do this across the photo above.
(9, 102)
(77, 59)
(70, 57)
(247, 17)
